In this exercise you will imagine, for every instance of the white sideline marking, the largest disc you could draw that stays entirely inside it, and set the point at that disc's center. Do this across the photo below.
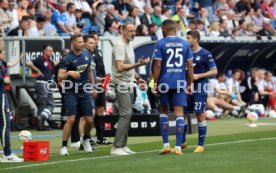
(109, 156)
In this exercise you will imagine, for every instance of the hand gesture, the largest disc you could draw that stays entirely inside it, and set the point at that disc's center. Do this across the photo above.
(144, 61)
(74, 74)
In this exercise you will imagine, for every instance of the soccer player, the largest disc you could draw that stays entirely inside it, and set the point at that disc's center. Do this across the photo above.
(170, 56)
(204, 67)
(75, 67)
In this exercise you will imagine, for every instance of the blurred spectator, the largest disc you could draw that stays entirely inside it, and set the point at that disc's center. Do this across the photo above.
(192, 26)
(233, 87)
(242, 6)
(201, 28)
(249, 30)
(142, 30)
(232, 23)
(261, 88)
(37, 30)
(5, 19)
(223, 28)
(71, 22)
(156, 16)
(22, 8)
(121, 9)
(267, 30)
(203, 16)
(250, 94)
(214, 29)
(223, 6)
(110, 17)
(140, 5)
(242, 27)
(21, 30)
(179, 31)
(166, 14)
(187, 7)
(31, 12)
(268, 9)
(153, 28)
(112, 30)
(83, 6)
(99, 16)
(258, 18)
(180, 16)
(270, 82)
(146, 17)
(133, 16)
(208, 4)
(12, 12)
(141, 102)
(156, 3)
(59, 20)
(249, 19)
(49, 29)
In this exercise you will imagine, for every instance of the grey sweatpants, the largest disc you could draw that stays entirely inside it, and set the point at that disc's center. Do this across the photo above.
(45, 101)
(124, 100)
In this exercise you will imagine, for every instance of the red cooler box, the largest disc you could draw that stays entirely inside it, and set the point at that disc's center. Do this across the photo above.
(36, 151)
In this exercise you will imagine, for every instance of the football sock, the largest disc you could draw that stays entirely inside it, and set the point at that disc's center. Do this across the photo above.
(202, 129)
(64, 143)
(185, 131)
(179, 130)
(164, 127)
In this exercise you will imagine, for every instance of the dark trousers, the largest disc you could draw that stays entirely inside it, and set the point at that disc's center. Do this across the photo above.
(5, 124)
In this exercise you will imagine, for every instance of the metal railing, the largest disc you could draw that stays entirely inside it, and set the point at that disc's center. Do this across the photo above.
(23, 40)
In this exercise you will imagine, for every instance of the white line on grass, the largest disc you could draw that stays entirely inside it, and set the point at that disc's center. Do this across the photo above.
(109, 156)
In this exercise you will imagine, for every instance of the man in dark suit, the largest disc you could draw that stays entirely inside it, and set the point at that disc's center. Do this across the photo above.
(146, 17)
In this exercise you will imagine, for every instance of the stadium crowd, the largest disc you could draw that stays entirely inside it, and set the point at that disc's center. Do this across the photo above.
(66, 17)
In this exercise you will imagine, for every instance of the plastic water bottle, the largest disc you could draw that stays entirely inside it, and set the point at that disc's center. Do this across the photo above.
(106, 81)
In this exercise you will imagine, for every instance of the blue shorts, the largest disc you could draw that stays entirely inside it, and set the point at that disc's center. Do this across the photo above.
(196, 103)
(78, 104)
(173, 98)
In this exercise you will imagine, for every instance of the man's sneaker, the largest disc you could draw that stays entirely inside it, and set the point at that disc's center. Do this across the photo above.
(104, 142)
(184, 145)
(118, 152)
(127, 150)
(64, 151)
(86, 145)
(199, 149)
(177, 151)
(75, 144)
(92, 142)
(11, 158)
(165, 150)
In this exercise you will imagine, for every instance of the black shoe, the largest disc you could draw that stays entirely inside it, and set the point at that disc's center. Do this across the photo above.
(104, 142)
(39, 124)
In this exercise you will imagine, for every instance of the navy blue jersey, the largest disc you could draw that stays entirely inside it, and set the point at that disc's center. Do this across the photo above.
(173, 51)
(46, 69)
(203, 62)
(79, 63)
(3, 72)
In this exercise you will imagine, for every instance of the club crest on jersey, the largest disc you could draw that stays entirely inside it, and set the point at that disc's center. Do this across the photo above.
(81, 68)
(86, 58)
(198, 58)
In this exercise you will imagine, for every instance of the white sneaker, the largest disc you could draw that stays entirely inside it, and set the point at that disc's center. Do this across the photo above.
(75, 144)
(86, 145)
(64, 151)
(11, 158)
(118, 152)
(127, 150)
